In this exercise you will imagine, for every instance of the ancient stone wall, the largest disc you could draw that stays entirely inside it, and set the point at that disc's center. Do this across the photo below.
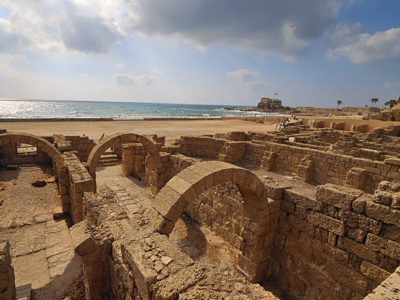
(81, 144)
(7, 278)
(328, 167)
(156, 175)
(133, 158)
(13, 156)
(201, 146)
(79, 181)
(338, 244)
(179, 162)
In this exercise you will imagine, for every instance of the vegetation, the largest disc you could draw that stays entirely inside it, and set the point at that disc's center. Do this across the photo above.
(339, 102)
(374, 100)
(392, 103)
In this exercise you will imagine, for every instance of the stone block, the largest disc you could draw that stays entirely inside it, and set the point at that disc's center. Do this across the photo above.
(373, 272)
(335, 226)
(339, 196)
(382, 213)
(385, 246)
(348, 277)
(303, 200)
(82, 241)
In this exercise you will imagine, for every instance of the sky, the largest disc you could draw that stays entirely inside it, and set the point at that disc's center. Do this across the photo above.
(228, 52)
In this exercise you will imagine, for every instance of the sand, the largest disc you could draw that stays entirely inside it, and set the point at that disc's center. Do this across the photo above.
(171, 129)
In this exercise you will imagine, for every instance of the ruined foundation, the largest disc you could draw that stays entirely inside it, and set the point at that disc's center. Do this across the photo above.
(311, 212)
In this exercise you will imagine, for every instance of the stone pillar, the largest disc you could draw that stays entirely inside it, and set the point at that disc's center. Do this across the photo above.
(356, 178)
(7, 278)
(268, 161)
(305, 169)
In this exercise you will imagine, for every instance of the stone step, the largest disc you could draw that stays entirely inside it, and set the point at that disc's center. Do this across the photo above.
(108, 164)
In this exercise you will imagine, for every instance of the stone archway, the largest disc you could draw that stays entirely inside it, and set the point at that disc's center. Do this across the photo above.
(30, 139)
(258, 224)
(122, 137)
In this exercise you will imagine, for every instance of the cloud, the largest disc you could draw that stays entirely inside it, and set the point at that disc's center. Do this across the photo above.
(242, 75)
(282, 27)
(84, 76)
(17, 58)
(256, 85)
(63, 26)
(155, 70)
(141, 80)
(390, 84)
(120, 65)
(359, 47)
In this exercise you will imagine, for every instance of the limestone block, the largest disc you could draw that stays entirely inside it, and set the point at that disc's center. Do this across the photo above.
(382, 213)
(356, 178)
(389, 289)
(339, 196)
(359, 204)
(328, 223)
(348, 277)
(303, 200)
(83, 242)
(373, 272)
(385, 246)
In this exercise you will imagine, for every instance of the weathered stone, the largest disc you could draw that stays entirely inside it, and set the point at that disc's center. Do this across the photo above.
(328, 223)
(303, 200)
(339, 196)
(373, 272)
(385, 246)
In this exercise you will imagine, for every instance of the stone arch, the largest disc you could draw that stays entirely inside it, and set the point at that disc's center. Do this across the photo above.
(258, 224)
(30, 139)
(122, 137)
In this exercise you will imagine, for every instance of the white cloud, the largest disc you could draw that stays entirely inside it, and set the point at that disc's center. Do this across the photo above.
(155, 70)
(359, 47)
(120, 65)
(242, 75)
(17, 58)
(283, 28)
(390, 84)
(141, 80)
(256, 85)
(84, 76)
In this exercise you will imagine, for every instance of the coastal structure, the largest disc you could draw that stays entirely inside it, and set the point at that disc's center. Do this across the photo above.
(311, 210)
(269, 104)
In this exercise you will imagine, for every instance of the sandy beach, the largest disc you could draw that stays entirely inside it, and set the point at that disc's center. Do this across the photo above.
(171, 129)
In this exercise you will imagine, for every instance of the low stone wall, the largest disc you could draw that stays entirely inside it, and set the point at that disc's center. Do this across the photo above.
(81, 144)
(338, 244)
(327, 167)
(179, 162)
(79, 181)
(201, 146)
(7, 278)
(10, 156)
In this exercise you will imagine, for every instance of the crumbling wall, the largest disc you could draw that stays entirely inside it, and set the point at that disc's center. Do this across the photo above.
(79, 181)
(10, 156)
(338, 244)
(327, 167)
(7, 278)
(82, 145)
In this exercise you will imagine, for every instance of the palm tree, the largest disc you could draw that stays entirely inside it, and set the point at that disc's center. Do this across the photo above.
(374, 100)
(387, 103)
(338, 104)
(392, 103)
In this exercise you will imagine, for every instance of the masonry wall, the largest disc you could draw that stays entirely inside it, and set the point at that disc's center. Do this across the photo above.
(327, 167)
(79, 181)
(338, 244)
(9, 155)
(82, 145)
(133, 158)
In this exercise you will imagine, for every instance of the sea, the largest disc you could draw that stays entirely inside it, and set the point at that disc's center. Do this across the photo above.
(40, 109)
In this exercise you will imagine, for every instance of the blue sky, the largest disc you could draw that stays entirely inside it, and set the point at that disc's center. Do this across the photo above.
(230, 52)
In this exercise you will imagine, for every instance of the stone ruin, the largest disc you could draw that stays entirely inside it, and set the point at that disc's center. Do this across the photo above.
(313, 213)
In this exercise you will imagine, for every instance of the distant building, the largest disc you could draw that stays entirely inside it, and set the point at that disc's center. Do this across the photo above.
(268, 103)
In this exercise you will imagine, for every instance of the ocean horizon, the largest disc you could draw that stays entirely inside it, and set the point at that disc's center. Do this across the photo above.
(40, 109)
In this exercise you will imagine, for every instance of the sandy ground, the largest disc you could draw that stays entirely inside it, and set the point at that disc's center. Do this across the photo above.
(171, 129)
